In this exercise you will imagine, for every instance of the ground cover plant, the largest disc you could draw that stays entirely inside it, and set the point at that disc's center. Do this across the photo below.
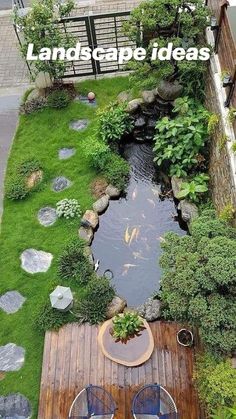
(43, 134)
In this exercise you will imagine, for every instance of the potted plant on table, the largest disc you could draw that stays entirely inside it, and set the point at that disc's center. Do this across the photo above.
(126, 326)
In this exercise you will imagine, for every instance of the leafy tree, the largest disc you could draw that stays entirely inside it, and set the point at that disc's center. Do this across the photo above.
(40, 28)
(199, 280)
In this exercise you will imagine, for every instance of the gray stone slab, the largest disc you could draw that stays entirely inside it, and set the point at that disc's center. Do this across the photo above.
(11, 302)
(84, 99)
(66, 153)
(15, 406)
(47, 216)
(35, 261)
(12, 357)
(60, 183)
(79, 125)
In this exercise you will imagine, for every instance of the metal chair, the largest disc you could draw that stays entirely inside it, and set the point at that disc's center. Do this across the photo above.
(93, 402)
(154, 402)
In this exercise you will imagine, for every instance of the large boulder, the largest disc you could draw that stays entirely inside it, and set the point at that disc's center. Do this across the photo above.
(148, 96)
(150, 310)
(134, 105)
(101, 204)
(91, 218)
(112, 191)
(176, 183)
(189, 211)
(124, 97)
(169, 91)
(86, 234)
(116, 306)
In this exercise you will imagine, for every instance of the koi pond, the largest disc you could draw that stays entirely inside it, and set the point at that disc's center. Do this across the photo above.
(128, 239)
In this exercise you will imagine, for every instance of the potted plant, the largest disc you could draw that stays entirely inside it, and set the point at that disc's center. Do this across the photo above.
(126, 326)
(185, 337)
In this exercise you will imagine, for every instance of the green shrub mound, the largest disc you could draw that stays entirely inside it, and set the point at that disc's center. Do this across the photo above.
(16, 186)
(216, 383)
(58, 99)
(73, 264)
(117, 171)
(49, 318)
(199, 281)
(114, 123)
(93, 306)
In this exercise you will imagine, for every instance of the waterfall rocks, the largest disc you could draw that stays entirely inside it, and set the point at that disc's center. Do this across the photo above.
(101, 204)
(116, 306)
(150, 310)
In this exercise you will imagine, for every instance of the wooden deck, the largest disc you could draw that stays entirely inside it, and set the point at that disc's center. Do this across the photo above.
(72, 360)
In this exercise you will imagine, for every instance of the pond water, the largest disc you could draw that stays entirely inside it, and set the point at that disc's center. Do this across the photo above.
(130, 232)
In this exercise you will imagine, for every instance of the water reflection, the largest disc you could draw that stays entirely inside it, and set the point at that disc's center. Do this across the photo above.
(128, 239)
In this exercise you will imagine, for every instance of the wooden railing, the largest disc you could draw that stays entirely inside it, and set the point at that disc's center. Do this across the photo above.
(225, 46)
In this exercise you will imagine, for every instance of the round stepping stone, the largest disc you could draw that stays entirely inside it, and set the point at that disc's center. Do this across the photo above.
(12, 357)
(84, 99)
(11, 302)
(66, 153)
(79, 125)
(60, 183)
(35, 261)
(47, 216)
(15, 406)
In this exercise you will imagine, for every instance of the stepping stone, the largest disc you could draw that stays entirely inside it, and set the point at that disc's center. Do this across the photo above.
(47, 216)
(60, 183)
(12, 357)
(35, 261)
(66, 153)
(11, 302)
(79, 125)
(15, 406)
(84, 99)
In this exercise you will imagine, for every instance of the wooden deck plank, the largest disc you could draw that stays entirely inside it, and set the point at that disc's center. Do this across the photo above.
(72, 360)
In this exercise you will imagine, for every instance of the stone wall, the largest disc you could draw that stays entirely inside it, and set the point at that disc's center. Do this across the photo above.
(221, 170)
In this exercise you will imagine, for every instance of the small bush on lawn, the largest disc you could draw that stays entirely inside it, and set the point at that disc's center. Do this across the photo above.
(93, 307)
(117, 171)
(16, 187)
(58, 99)
(114, 123)
(68, 208)
(98, 153)
(33, 105)
(73, 264)
(49, 318)
(215, 382)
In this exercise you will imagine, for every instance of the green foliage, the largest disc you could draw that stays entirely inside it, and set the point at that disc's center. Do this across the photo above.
(199, 280)
(116, 171)
(49, 318)
(215, 382)
(224, 413)
(58, 99)
(98, 295)
(68, 208)
(234, 147)
(98, 153)
(33, 105)
(39, 28)
(227, 213)
(73, 263)
(232, 114)
(16, 186)
(179, 140)
(191, 75)
(194, 189)
(213, 123)
(114, 123)
(126, 326)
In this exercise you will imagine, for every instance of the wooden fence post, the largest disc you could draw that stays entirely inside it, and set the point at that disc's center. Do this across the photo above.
(231, 90)
(223, 7)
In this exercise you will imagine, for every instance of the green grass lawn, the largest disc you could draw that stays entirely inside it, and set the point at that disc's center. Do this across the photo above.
(42, 135)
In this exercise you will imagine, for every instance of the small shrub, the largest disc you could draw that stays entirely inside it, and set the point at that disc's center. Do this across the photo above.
(93, 307)
(58, 99)
(194, 189)
(215, 382)
(16, 188)
(227, 213)
(213, 123)
(126, 326)
(99, 153)
(68, 208)
(33, 105)
(49, 318)
(117, 171)
(73, 264)
(114, 123)
(29, 166)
